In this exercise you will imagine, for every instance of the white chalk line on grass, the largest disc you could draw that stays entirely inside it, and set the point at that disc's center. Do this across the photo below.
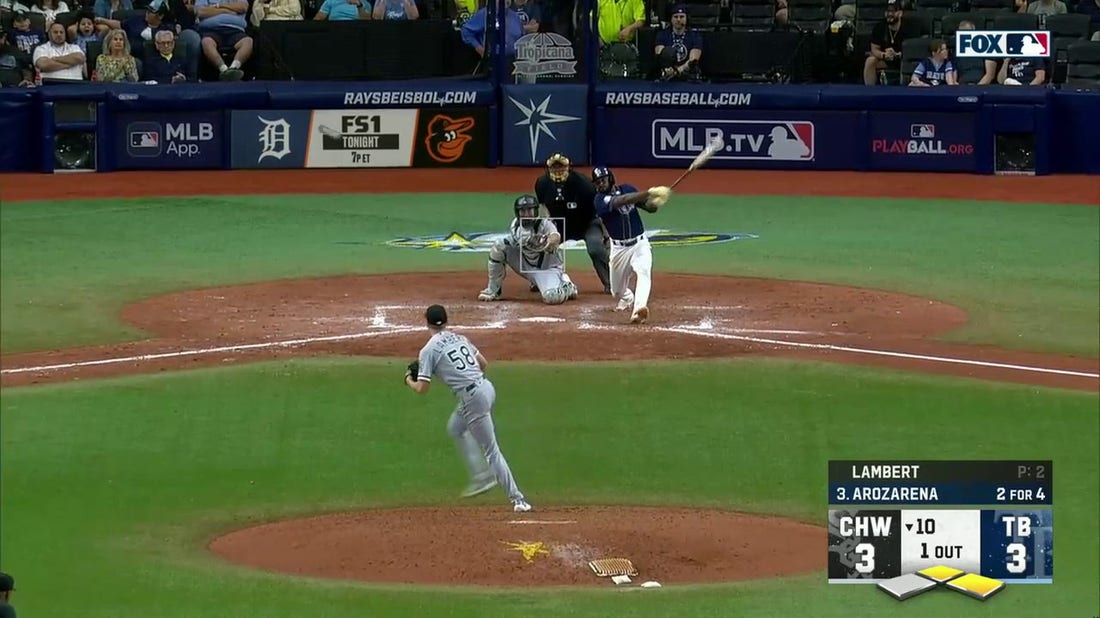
(873, 352)
(217, 350)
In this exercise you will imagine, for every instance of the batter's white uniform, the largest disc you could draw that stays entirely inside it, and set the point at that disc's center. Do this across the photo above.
(630, 249)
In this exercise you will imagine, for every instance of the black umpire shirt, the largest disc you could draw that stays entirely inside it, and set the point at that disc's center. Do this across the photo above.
(573, 200)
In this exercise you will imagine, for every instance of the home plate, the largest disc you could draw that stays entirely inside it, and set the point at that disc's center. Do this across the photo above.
(542, 521)
(541, 319)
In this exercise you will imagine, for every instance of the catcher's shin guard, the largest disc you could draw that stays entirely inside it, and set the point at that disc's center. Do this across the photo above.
(496, 270)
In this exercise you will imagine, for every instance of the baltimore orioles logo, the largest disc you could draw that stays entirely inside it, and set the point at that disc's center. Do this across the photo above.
(447, 138)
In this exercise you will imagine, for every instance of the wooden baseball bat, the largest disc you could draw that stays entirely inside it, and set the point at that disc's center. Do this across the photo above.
(714, 146)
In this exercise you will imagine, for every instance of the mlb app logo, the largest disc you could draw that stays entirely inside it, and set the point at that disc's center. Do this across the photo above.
(1002, 44)
(143, 139)
(919, 131)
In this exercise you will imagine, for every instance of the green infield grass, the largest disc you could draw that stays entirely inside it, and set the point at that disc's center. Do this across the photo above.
(1029, 275)
(112, 487)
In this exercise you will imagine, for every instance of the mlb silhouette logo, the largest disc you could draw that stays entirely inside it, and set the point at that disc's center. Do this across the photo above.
(1028, 44)
(143, 139)
(1002, 44)
(922, 131)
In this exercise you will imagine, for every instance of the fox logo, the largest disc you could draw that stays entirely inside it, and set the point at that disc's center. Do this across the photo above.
(447, 137)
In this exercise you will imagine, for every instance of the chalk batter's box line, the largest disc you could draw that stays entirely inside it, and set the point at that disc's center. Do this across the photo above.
(523, 265)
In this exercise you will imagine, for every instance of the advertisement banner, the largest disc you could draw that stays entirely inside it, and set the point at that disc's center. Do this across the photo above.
(269, 138)
(398, 138)
(763, 140)
(541, 119)
(918, 141)
(190, 140)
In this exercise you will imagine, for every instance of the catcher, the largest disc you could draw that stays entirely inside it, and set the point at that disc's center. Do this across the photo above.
(533, 250)
(567, 196)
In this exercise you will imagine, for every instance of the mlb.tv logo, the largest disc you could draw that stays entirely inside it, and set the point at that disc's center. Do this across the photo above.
(1002, 44)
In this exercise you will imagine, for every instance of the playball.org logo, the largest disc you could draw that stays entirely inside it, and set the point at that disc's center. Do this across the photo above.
(1002, 44)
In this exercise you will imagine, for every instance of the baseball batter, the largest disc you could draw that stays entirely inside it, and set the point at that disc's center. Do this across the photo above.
(617, 206)
(457, 362)
(532, 249)
(567, 197)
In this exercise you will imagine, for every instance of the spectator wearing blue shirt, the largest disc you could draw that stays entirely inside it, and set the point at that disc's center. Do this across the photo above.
(473, 31)
(936, 70)
(103, 10)
(165, 66)
(22, 36)
(530, 15)
(678, 49)
(221, 23)
(343, 10)
(396, 10)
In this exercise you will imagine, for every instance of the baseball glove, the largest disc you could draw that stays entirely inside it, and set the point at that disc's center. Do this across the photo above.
(413, 369)
(658, 196)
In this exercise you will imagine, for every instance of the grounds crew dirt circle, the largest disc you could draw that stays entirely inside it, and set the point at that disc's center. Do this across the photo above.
(490, 546)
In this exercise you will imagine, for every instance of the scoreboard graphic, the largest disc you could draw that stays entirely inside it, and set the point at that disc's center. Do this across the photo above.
(968, 526)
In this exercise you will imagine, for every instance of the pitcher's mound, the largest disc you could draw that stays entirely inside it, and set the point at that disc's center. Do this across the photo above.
(484, 546)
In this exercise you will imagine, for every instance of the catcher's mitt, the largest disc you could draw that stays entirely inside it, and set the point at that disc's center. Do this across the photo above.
(658, 196)
(413, 369)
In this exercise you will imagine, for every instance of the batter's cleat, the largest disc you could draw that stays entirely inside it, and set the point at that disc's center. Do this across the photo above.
(626, 303)
(479, 486)
(521, 506)
(489, 294)
(640, 316)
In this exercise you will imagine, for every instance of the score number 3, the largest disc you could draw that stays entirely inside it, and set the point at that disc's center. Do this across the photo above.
(866, 564)
(1017, 552)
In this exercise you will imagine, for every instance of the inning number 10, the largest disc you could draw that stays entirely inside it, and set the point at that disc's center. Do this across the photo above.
(866, 562)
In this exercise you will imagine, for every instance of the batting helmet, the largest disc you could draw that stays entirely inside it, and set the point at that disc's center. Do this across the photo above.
(599, 173)
(558, 166)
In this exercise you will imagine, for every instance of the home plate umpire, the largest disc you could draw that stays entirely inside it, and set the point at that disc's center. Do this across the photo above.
(569, 195)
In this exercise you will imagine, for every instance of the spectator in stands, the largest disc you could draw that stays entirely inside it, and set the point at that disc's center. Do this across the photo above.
(59, 59)
(887, 38)
(50, 9)
(846, 11)
(976, 71)
(222, 25)
(1092, 9)
(678, 49)
(395, 10)
(85, 32)
(530, 14)
(105, 9)
(473, 31)
(22, 36)
(14, 6)
(1047, 7)
(165, 67)
(936, 69)
(1022, 71)
(344, 10)
(144, 25)
(781, 12)
(620, 20)
(15, 64)
(282, 10)
(464, 9)
(116, 64)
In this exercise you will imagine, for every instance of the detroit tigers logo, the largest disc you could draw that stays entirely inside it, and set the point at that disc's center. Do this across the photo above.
(274, 138)
(447, 137)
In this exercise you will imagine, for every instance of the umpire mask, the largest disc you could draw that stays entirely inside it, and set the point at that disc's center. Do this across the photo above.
(558, 166)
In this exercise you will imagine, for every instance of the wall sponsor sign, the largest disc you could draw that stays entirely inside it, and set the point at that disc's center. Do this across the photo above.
(923, 141)
(1002, 44)
(541, 119)
(780, 140)
(269, 138)
(398, 138)
(192, 140)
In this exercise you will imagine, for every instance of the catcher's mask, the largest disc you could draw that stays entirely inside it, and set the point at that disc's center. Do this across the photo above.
(558, 166)
(527, 210)
(603, 178)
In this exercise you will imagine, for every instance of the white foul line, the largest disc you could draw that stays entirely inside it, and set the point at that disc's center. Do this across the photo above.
(841, 348)
(201, 351)
(542, 521)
